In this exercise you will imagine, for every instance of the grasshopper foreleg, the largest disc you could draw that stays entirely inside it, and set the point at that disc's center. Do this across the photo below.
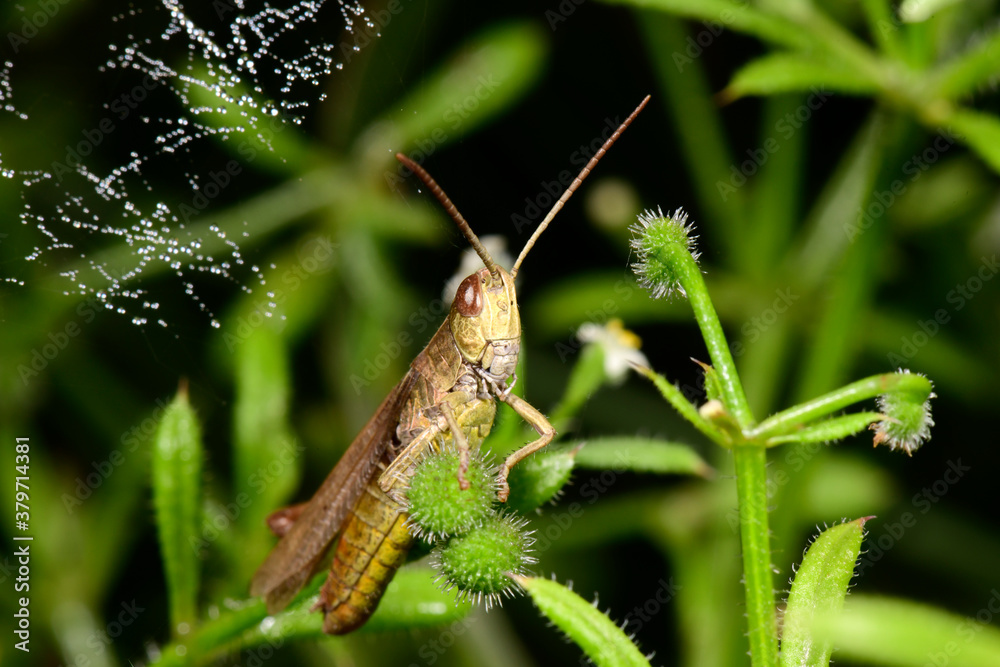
(538, 421)
(460, 442)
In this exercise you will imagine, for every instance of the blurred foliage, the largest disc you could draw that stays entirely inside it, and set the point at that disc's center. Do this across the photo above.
(840, 162)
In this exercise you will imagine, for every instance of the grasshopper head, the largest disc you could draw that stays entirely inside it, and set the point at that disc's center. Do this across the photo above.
(485, 321)
(484, 318)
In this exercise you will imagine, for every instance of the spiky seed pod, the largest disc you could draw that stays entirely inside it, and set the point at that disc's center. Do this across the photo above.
(479, 563)
(438, 507)
(658, 241)
(909, 419)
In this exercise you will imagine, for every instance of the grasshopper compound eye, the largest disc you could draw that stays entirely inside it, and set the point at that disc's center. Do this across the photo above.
(469, 297)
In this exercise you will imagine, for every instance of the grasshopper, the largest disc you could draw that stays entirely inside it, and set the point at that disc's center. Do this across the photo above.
(448, 397)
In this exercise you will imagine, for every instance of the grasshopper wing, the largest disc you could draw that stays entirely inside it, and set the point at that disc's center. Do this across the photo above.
(294, 559)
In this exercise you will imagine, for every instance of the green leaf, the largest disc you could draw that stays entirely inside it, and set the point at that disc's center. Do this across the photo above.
(539, 478)
(246, 129)
(641, 455)
(739, 16)
(556, 312)
(586, 377)
(977, 67)
(713, 386)
(882, 27)
(601, 640)
(687, 410)
(177, 461)
(697, 123)
(789, 72)
(833, 222)
(888, 631)
(820, 586)
(981, 132)
(485, 77)
(266, 455)
(412, 600)
(829, 430)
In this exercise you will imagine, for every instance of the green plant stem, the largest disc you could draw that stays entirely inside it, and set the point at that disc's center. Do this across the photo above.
(751, 488)
(689, 274)
(751, 473)
(870, 387)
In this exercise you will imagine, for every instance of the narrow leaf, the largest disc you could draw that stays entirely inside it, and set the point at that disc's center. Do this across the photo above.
(679, 401)
(494, 69)
(791, 72)
(981, 132)
(266, 456)
(738, 16)
(246, 129)
(538, 479)
(833, 222)
(820, 586)
(601, 640)
(641, 455)
(586, 377)
(829, 430)
(976, 68)
(177, 461)
(713, 386)
(887, 631)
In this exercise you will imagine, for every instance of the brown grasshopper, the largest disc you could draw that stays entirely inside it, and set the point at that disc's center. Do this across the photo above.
(448, 397)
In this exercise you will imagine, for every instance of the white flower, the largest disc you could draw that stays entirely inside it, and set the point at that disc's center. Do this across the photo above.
(495, 245)
(620, 346)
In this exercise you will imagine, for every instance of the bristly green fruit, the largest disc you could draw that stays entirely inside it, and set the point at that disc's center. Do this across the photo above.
(481, 562)
(660, 241)
(438, 506)
(908, 412)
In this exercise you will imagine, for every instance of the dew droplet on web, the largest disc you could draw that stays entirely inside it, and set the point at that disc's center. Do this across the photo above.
(234, 80)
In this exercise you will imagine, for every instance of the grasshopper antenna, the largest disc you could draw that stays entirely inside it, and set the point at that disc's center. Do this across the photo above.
(451, 210)
(574, 185)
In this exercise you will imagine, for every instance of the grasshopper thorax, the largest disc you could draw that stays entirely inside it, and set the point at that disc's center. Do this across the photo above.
(485, 321)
